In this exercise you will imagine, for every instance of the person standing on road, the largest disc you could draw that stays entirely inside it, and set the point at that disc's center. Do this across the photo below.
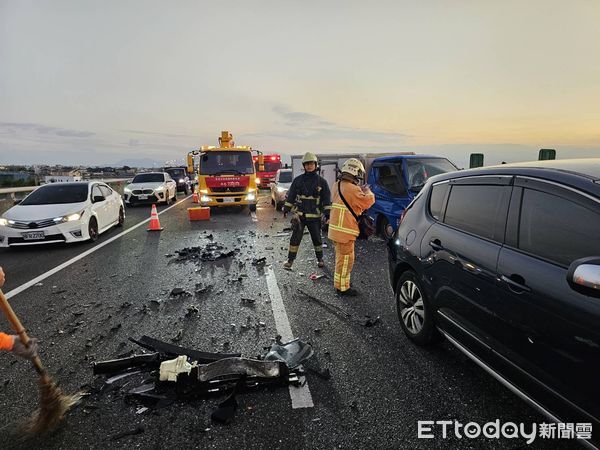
(12, 342)
(308, 200)
(343, 227)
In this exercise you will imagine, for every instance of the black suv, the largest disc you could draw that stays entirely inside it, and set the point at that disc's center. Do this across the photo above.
(505, 263)
(180, 175)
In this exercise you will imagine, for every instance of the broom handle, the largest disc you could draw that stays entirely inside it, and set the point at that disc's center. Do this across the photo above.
(16, 324)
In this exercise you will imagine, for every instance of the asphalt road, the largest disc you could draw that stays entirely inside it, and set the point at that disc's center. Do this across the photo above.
(380, 386)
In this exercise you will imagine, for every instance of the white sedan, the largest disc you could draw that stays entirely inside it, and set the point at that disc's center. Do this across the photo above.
(280, 187)
(151, 187)
(62, 212)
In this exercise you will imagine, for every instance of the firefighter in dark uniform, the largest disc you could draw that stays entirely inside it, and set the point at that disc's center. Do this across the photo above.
(308, 199)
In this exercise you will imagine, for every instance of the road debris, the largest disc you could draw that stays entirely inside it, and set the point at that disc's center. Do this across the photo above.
(133, 432)
(211, 252)
(368, 321)
(316, 276)
(171, 373)
(179, 292)
(260, 261)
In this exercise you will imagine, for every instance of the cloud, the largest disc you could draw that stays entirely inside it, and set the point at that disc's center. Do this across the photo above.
(16, 127)
(298, 125)
(155, 133)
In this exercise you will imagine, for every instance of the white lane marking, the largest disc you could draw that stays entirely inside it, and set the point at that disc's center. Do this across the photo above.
(60, 267)
(300, 395)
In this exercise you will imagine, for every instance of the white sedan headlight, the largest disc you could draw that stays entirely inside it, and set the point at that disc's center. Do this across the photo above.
(159, 189)
(69, 218)
(127, 190)
(3, 222)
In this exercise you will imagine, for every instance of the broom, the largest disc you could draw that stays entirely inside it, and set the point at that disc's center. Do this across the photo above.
(53, 403)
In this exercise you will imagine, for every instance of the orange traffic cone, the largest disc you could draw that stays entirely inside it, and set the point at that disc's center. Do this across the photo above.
(195, 198)
(154, 222)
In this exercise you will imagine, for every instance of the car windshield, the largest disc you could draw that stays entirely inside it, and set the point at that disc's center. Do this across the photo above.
(285, 177)
(226, 162)
(176, 173)
(149, 178)
(269, 166)
(52, 194)
(419, 170)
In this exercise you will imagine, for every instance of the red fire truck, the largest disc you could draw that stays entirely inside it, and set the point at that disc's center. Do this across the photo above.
(271, 163)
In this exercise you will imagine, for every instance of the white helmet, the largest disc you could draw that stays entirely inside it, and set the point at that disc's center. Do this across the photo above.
(354, 167)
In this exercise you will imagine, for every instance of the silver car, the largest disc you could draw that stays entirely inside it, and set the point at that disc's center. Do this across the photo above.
(280, 187)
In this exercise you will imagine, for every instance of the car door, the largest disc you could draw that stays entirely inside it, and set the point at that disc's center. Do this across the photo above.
(551, 330)
(100, 208)
(460, 252)
(113, 203)
(171, 185)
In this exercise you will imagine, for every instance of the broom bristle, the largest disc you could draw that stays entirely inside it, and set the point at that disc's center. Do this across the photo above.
(53, 406)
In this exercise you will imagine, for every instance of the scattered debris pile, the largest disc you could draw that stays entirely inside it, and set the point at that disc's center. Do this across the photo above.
(171, 373)
(211, 252)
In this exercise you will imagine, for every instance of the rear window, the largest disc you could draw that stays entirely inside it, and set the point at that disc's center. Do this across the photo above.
(419, 170)
(52, 194)
(557, 229)
(285, 177)
(176, 173)
(149, 178)
(479, 209)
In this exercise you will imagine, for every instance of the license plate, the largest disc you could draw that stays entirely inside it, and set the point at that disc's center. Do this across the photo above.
(228, 200)
(33, 235)
(143, 197)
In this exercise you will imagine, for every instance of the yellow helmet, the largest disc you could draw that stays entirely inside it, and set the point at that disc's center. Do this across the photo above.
(354, 167)
(309, 157)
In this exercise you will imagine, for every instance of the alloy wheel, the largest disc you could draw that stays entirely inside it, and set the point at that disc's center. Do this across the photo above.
(411, 301)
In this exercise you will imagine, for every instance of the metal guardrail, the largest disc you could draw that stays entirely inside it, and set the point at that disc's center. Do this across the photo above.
(8, 196)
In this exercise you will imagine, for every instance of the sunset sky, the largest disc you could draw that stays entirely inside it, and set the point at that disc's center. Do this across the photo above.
(97, 82)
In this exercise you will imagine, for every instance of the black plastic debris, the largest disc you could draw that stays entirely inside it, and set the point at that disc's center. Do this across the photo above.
(248, 301)
(172, 374)
(226, 411)
(211, 252)
(171, 351)
(369, 321)
(179, 292)
(138, 430)
(292, 353)
(259, 262)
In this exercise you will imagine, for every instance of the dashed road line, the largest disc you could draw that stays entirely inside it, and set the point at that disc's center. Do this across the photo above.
(60, 267)
(300, 395)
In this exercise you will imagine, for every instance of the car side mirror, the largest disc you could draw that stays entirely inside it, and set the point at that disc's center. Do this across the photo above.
(98, 199)
(584, 276)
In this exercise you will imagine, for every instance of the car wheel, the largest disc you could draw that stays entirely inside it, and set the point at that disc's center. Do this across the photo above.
(386, 231)
(121, 220)
(93, 229)
(414, 310)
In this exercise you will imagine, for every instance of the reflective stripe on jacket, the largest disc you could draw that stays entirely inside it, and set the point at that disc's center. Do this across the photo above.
(309, 197)
(342, 224)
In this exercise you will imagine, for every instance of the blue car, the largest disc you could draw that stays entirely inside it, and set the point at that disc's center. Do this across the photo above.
(395, 181)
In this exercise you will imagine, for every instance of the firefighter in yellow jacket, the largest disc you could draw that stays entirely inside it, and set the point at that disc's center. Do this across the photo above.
(343, 228)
